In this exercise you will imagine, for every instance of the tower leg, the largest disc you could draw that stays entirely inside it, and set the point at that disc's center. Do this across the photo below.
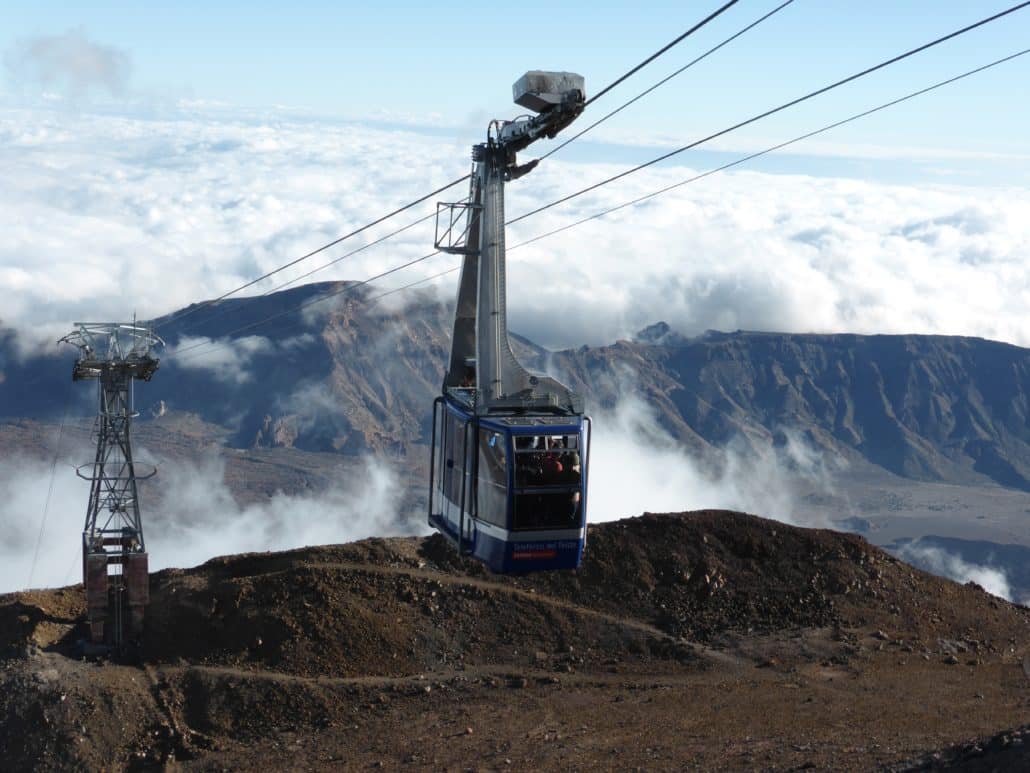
(137, 590)
(97, 585)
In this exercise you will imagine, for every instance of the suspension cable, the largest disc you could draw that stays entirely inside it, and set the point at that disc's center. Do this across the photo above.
(305, 304)
(376, 298)
(661, 51)
(49, 493)
(667, 155)
(284, 285)
(724, 167)
(773, 148)
(351, 253)
(774, 110)
(666, 79)
(605, 90)
(205, 304)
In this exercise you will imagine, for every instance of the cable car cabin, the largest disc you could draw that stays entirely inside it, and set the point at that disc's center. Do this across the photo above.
(508, 468)
(510, 490)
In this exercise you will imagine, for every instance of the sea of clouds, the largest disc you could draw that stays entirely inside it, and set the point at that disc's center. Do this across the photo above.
(190, 515)
(110, 215)
(113, 212)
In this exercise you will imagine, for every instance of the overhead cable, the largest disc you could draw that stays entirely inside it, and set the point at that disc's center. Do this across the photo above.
(775, 110)
(323, 248)
(313, 271)
(637, 200)
(351, 253)
(768, 150)
(304, 305)
(661, 51)
(605, 90)
(423, 280)
(666, 79)
(724, 167)
(49, 493)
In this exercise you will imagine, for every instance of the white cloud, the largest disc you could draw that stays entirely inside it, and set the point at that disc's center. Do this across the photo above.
(636, 466)
(949, 565)
(775, 252)
(226, 359)
(35, 550)
(197, 517)
(106, 215)
(70, 63)
(189, 516)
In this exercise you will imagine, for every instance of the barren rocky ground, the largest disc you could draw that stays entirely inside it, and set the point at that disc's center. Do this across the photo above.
(707, 640)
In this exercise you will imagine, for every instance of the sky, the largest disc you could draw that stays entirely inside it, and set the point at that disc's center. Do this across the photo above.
(158, 155)
(416, 63)
(154, 155)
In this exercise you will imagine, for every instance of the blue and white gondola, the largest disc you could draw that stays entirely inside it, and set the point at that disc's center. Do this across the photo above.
(510, 491)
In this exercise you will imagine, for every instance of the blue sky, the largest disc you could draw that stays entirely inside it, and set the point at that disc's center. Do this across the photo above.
(187, 149)
(182, 149)
(452, 66)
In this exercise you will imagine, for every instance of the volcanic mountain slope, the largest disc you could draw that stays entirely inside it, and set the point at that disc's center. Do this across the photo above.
(708, 640)
(353, 375)
(922, 407)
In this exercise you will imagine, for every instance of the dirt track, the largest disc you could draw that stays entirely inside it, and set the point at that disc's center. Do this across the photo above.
(709, 640)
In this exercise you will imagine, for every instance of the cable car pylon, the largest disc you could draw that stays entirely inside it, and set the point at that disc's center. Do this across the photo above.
(114, 556)
(510, 448)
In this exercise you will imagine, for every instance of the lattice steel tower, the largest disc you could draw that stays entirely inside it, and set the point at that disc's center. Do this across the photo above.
(114, 555)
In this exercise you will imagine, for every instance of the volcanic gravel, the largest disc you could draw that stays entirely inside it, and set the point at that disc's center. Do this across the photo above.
(709, 640)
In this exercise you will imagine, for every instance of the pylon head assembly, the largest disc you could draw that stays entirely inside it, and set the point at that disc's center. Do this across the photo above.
(104, 346)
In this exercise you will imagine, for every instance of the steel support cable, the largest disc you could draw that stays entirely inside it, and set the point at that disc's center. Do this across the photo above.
(775, 110)
(780, 146)
(423, 280)
(605, 90)
(737, 162)
(49, 494)
(323, 248)
(611, 86)
(381, 239)
(726, 166)
(300, 307)
(661, 51)
(352, 252)
(666, 79)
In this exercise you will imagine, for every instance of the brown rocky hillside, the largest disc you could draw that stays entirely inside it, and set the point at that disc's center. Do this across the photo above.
(707, 640)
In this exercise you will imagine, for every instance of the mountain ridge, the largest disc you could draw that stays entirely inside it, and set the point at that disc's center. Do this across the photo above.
(356, 376)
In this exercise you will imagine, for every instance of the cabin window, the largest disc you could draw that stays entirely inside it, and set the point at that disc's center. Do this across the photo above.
(547, 460)
(492, 488)
(548, 472)
(547, 510)
(454, 474)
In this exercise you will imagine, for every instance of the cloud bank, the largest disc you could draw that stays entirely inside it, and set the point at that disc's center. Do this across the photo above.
(637, 466)
(189, 516)
(69, 64)
(946, 564)
(106, 215)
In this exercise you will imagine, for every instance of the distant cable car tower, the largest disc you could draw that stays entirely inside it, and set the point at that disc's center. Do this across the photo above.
(114, 555)
(510, 448)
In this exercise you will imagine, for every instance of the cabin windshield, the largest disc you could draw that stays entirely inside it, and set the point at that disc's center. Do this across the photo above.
(546, 460)
(548, 469)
